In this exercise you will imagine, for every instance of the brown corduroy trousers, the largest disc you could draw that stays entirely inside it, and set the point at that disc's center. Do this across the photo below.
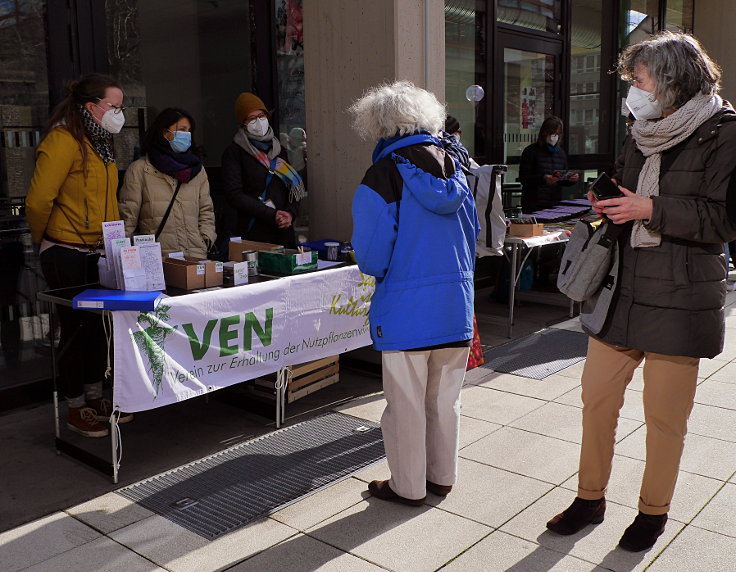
(669, 392)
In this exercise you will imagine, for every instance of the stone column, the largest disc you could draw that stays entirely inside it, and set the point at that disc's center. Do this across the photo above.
(714, 30)
(349, 47)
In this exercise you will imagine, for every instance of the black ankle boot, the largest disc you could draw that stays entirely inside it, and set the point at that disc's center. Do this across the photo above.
(643, 532)
(578, 515)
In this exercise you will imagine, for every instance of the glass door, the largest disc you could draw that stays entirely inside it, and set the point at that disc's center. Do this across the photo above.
(530, 78)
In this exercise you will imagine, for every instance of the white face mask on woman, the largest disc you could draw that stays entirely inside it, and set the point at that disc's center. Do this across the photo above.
(258, 128)
(553, 139)
(112, 121)
(642, 104)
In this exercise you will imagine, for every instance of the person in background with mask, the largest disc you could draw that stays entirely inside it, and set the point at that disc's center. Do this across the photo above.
(170, 168)
(71, 194)
(541, 166)
(676, 172)
(258, 182)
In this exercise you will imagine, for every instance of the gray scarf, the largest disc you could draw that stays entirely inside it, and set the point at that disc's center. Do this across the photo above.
(653, 137)
(242, 138)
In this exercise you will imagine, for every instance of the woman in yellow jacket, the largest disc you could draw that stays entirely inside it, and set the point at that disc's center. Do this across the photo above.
(72, 193)
(170, 178)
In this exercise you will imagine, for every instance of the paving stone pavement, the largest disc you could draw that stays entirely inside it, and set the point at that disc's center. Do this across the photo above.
(518, 462)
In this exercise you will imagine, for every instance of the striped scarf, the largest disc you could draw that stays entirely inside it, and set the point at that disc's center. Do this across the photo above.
(281, 168)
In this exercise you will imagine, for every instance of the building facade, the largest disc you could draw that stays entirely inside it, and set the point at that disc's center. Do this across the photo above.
(309, 60)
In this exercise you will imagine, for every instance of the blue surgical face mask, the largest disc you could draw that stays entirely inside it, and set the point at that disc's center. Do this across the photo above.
(181, 142)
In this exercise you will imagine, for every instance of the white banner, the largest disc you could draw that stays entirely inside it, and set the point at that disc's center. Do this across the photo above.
(202, 342)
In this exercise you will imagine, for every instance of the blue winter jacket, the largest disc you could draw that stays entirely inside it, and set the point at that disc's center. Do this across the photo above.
(414, 229)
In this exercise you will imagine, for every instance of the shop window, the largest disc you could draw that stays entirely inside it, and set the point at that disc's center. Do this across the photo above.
(290, 72)
(193, 54)
(528, 100)
(679, 15)
(24, 103)
(585, 98)
(464, 58)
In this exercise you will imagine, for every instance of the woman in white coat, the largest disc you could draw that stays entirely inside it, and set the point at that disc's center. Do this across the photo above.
(169, 177)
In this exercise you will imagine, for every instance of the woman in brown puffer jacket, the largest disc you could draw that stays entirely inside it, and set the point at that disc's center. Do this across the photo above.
(151, 181)
(675, 172)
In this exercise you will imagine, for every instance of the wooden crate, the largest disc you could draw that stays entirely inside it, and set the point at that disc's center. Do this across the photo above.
(306, 378)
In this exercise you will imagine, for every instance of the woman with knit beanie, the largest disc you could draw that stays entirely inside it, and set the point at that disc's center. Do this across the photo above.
(258, 182)
(171, 167)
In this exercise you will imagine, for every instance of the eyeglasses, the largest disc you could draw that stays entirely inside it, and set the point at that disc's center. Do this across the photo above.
(252, 120)
(117, 109)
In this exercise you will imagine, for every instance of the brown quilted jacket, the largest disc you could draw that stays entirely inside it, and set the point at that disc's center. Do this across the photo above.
(670, 298)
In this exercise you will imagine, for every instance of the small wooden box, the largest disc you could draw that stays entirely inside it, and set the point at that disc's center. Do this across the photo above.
(236, 248)
(306, 378)
(525, 230)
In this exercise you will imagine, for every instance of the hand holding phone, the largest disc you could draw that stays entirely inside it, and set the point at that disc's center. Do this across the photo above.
(604, 188)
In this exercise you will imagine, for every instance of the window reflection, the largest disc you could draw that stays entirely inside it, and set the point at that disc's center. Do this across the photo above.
(542, 15)
(464, 55)
(200, 61)
(291, 113)
(680, 15)
(528, 100)
(24, 104)
(585, 78)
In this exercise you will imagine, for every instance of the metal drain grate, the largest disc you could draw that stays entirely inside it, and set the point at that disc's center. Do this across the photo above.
(538, 355)
(222, 492)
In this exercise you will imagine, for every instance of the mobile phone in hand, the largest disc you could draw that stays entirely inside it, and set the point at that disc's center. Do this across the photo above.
(604, 188)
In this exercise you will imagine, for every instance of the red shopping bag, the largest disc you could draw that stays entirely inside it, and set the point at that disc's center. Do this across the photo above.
(476, 350)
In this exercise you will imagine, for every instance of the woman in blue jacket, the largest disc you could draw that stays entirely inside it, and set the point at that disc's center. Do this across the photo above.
(414, 229)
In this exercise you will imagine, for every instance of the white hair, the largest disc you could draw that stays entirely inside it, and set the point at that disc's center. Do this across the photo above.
(396, 108)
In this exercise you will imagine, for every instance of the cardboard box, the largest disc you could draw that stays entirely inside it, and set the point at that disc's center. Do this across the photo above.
(237, 247)
(526, 230)
(287, 262)
(192, 273)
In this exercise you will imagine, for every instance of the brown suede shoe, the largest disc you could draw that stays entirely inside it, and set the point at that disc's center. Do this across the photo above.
(643, 532)
(381, 490)
(577, 516)
(440, 490)
(103, 409)
(82, 420)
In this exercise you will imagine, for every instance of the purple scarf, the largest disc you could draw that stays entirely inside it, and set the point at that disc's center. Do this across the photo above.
(182, 166)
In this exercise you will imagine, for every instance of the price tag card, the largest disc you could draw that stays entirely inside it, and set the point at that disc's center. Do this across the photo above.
(240, 273)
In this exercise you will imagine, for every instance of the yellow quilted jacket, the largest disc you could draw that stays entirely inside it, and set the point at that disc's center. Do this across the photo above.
(64, 203)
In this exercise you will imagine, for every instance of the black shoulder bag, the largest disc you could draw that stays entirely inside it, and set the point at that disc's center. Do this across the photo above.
(168, 210)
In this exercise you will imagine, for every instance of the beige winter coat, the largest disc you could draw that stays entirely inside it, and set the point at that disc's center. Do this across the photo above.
(145, 196)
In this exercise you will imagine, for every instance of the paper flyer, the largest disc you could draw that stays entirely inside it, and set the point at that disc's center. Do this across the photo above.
(114, 255)
(150, 253)
(134, 276)
(112, 230)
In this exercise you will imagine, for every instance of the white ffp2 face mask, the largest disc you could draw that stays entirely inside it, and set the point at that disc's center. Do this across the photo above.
(112, 122)
(259, 127)
(642, 104)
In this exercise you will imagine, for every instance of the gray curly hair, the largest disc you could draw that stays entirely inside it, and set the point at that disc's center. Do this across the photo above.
(398, 107)
(678, 64)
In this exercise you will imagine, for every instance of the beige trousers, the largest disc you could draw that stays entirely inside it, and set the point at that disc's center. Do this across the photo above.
(422, 417)
(669, 392)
